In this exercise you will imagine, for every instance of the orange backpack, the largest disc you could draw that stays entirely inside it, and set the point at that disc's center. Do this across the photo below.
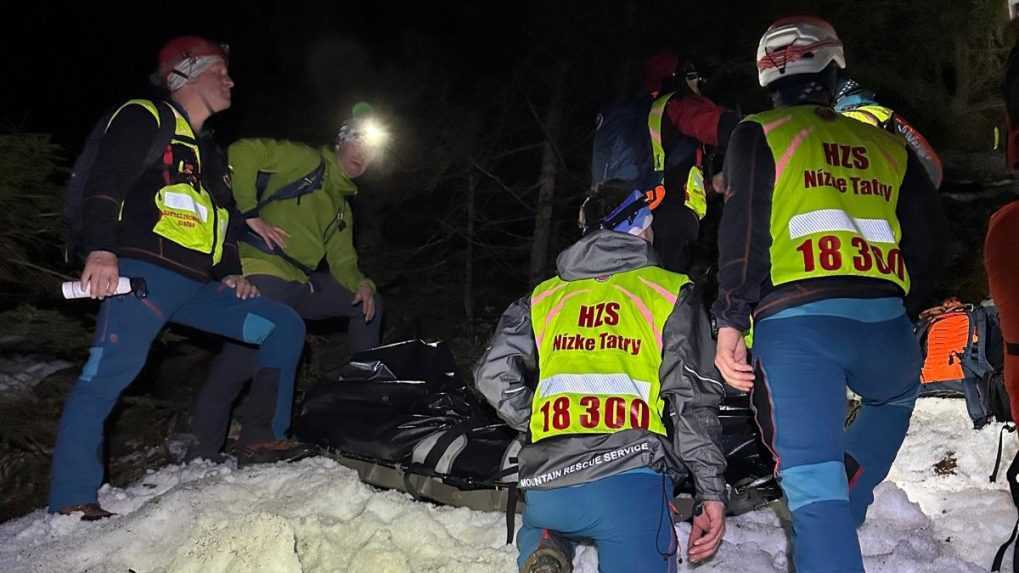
(962, 357)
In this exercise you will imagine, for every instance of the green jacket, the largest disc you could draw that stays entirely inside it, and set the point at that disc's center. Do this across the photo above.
(320, 223)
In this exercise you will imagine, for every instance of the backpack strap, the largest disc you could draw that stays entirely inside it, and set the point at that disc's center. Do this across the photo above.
(1013, 486)
(167, 127)
(1010, 428)
(976, 351)
(293, 190)
(251, 238)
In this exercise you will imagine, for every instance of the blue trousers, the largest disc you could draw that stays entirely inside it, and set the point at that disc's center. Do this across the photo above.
(125, 329)
(807, 362)
(627, 516)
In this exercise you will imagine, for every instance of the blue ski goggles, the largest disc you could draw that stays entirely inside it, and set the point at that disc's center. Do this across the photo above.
(634, 214)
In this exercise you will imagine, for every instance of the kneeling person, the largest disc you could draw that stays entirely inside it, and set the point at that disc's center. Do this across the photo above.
(626, 396)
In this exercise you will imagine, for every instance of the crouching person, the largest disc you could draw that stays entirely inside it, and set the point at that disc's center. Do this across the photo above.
(625, 398)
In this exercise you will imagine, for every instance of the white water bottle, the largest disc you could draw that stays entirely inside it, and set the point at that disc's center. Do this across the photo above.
(74, 289)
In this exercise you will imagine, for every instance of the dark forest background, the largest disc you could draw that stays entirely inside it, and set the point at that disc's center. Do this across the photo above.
(492, 108)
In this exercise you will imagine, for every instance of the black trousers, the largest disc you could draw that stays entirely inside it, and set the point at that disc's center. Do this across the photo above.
(320, 298)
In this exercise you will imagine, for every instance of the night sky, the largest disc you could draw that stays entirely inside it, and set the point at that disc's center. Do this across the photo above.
(300, 65)
(458, 84)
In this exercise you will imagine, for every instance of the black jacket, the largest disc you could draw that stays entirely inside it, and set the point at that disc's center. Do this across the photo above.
(120, 183)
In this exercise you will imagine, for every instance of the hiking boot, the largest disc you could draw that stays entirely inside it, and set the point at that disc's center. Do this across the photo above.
(549, 557)
(89, 511)
(272, 452)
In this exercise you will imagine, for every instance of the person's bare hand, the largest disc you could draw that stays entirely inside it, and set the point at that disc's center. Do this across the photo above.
(242, 287)
(366, 297)
(271, 234)
(706, 532)
(101, 273)
(731, 359)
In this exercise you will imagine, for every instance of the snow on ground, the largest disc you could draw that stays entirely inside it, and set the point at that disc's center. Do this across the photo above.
(315, 516)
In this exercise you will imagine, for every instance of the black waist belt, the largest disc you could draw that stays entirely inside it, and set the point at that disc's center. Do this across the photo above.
(251, 238)
(1012, 348)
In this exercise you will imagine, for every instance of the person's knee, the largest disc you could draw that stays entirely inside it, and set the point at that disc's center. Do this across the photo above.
(814, 483)
(289, 327)
(106, 373)
(277, 321)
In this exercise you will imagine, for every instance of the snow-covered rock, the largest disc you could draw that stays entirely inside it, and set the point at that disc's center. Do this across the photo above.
(22, 372)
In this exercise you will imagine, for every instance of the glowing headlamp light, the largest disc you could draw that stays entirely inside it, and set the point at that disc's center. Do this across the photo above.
(368, 132)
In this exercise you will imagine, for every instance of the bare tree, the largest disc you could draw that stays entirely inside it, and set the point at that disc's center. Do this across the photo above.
(550, 161)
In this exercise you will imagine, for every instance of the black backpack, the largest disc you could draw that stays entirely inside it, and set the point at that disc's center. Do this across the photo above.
(622, 146)
(75, 191)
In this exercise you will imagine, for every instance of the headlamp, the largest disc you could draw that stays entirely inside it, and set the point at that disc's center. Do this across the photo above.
(368, 132)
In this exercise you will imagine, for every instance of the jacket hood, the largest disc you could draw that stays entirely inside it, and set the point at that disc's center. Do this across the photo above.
(602, 253)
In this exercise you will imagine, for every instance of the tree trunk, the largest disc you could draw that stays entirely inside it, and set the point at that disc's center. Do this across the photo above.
(547, 180)
(472, 182)
(960, 100)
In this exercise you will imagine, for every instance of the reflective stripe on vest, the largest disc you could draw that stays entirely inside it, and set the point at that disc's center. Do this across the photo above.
(654, 124)
(694, 195)
(836, 189)
(188, 216)
(873, 114)
(599, 352)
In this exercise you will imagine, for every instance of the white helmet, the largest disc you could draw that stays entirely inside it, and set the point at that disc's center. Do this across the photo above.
(797, 45)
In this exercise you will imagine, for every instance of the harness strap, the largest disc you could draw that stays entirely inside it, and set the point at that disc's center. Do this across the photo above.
(443, 444)
(512, 495)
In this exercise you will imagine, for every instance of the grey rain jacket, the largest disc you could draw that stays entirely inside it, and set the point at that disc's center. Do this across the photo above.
(506, 376)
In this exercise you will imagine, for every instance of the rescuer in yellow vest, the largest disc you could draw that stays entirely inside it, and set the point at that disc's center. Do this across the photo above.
(165, 222)
(855, 101)
(828, 225)
(625, 402)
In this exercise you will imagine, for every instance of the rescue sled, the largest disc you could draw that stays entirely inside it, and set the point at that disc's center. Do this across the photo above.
(403, 418)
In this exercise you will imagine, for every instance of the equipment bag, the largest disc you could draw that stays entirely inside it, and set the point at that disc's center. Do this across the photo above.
(74, 193)
(962, 353)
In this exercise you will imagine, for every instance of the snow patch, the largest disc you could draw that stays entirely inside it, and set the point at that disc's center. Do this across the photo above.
(315, 516)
